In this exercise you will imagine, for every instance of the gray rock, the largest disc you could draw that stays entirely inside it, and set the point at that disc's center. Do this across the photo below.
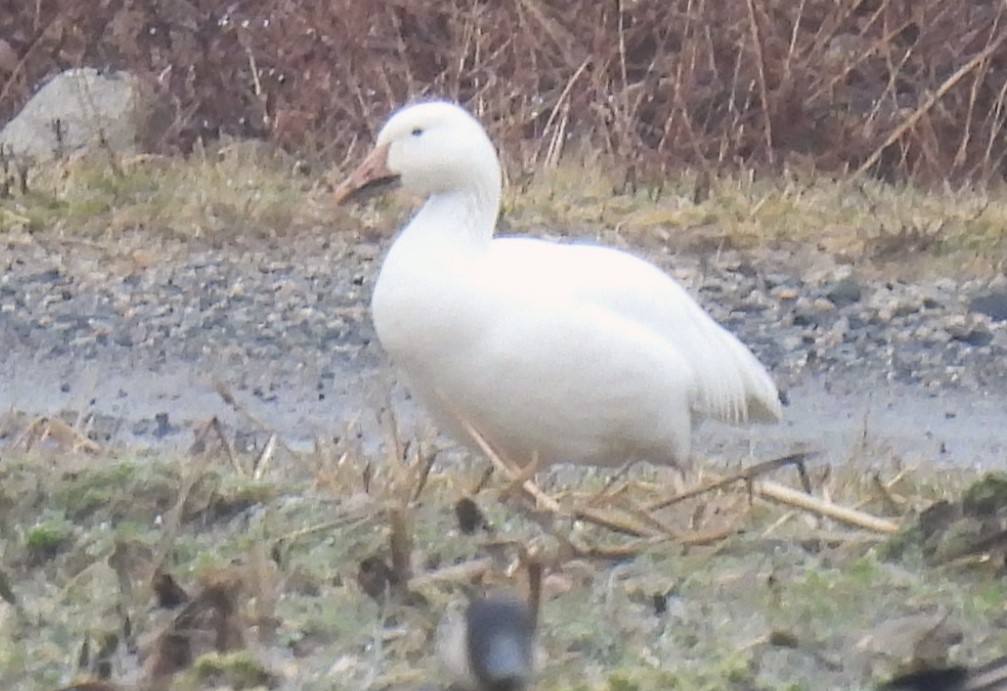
(993, 305)
(976, 335)
(844, 292)
(76, 110)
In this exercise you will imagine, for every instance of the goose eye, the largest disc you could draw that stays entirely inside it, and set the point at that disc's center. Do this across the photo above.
(417, 131)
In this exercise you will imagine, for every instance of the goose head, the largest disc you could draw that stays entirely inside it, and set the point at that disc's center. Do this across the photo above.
(437, 150)
(428, 148)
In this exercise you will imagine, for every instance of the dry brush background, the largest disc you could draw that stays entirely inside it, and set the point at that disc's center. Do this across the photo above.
(902, 89)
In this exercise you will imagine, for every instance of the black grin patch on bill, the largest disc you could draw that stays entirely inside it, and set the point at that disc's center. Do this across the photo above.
(373, 188)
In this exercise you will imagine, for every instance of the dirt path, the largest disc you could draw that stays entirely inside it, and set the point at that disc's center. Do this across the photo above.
(136, 336)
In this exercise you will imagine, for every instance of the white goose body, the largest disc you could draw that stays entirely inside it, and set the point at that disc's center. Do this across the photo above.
(555, 352)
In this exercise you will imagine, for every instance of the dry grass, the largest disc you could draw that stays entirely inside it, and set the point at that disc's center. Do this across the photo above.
(240, 187)
(858, 219)
(251, 188)
(330, 564)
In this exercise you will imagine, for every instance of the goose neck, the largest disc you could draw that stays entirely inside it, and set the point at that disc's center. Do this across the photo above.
(463, 217)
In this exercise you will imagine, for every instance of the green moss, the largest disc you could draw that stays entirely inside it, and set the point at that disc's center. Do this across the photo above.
(863, 572)
(619, 681)
(987, 496)
(904, 545)
(986, 599)
(237, 670)
(218, 496)
(730, 670)
(118, 490)
(48, 536)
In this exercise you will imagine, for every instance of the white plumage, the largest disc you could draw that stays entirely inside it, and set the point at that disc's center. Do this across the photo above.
(561, 352)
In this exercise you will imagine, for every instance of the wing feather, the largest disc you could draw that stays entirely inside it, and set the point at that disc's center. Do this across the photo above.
(730, 383)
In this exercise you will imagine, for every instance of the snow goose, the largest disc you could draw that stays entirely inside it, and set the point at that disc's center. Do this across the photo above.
(552, 352)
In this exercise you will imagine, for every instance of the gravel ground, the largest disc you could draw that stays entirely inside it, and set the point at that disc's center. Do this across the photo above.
(135, 335)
